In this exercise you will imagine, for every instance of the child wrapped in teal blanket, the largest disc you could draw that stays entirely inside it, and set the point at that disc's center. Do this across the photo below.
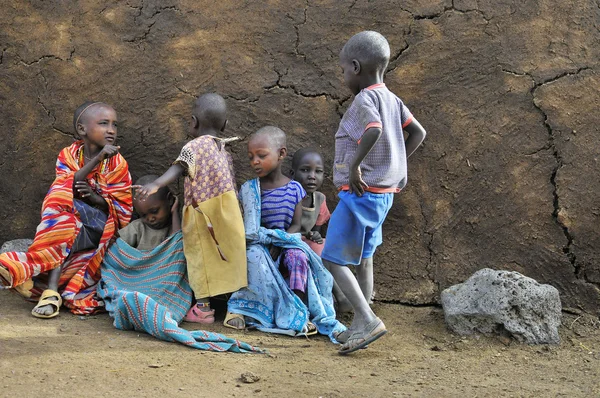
(148, 291)
(144, 281)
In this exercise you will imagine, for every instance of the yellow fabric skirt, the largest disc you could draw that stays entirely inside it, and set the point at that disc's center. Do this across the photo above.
(214, 244)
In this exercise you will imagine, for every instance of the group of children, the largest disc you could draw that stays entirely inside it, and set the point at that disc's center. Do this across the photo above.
(273, 259)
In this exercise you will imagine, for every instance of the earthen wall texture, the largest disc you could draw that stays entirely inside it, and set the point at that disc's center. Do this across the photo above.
(508, 92)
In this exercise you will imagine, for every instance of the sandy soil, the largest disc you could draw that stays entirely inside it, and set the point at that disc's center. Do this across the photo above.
(75, 356)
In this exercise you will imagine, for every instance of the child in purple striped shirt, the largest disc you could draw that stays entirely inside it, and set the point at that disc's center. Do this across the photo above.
(281, 200)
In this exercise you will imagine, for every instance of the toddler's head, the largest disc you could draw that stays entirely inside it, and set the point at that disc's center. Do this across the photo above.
(209, 115)
(366, 53)
(266, 150)
(155, 210)
(307, 169)
(96, 123)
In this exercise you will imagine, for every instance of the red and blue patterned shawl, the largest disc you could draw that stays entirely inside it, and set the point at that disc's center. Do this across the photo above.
(60, 225)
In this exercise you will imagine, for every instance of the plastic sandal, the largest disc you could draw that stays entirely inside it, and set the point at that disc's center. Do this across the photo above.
(196, 315)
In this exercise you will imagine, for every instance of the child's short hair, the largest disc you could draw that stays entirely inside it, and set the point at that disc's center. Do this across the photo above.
(78, 115)
(300, 153)
(275, 135)
(162, 193)
(370, 48)
(211, 110)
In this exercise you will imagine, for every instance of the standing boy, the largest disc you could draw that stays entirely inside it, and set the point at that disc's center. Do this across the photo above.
(369, 167)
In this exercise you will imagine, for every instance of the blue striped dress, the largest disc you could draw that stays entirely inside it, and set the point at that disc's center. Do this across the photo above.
(278, 205)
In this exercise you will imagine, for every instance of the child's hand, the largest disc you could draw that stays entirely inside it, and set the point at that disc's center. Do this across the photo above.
(108, 152)
(356, 183)
(143, 191)
(83, 189)
(275, 252)
(315, 236)
(175, 207)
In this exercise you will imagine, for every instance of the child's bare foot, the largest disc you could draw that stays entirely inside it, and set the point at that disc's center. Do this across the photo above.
(234, 321)
(372, 298)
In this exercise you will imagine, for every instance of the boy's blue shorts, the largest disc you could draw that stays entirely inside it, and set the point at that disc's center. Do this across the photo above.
(354, 230)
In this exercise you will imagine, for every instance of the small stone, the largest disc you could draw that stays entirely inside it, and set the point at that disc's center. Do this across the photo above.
(155, 365)
(493, 301)
(249, 377)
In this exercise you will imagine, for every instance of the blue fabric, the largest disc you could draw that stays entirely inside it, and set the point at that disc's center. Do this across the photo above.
(149, 291)
(354, 230)
(278, 205)
(268, 299)
(91, 231)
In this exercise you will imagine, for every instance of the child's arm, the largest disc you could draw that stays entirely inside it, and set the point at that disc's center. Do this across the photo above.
(175, 221)
(169, 177)
(296, 224)
(108, 151)
(416, 135)
(367, 142)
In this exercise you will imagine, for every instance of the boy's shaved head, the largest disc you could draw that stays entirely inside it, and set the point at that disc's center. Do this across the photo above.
(275, 135)
(210, 110)
(370, 48)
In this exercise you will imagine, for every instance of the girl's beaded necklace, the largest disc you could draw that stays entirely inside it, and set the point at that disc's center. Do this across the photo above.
(103, 164)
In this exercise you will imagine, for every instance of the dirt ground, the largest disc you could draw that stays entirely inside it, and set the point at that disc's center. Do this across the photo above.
(76, 356)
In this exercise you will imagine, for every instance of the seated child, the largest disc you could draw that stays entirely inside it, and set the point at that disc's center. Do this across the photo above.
(89, 200)
(369, 167)
(281, 200)
(159, 218)
(272, 217)
(308, 170)
(213, 230)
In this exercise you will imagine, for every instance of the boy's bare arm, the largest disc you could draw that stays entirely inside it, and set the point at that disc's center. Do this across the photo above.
(169, 177)
(296, 224)
(367, 142)
(416, 135)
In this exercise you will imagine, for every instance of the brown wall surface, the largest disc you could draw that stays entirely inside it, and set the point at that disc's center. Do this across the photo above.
(507, 90)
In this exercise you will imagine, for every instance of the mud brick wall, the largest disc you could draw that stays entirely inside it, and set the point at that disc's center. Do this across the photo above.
(507, 90)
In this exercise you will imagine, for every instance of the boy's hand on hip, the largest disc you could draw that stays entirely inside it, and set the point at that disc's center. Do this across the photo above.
(356, 184)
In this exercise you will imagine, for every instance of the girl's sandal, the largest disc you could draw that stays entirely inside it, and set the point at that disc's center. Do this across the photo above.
(196, 315)
(48, 297)
(309, 330)
(230, 316)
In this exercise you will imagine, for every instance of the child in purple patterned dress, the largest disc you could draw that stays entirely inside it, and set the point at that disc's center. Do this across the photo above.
(281, 200)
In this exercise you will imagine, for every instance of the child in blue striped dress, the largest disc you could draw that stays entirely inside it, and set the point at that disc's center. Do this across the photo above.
(281, 201)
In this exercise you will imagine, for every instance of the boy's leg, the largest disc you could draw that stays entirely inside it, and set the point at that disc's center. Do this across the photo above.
(53, 277)
(364, 275)
(351, 289)
(373, 238)
(365, 327)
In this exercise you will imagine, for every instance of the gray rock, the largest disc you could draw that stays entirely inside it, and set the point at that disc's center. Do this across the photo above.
(17, 245)
(493, 301)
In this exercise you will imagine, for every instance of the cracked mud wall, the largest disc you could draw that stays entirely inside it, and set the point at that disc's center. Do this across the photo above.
(507, 90)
